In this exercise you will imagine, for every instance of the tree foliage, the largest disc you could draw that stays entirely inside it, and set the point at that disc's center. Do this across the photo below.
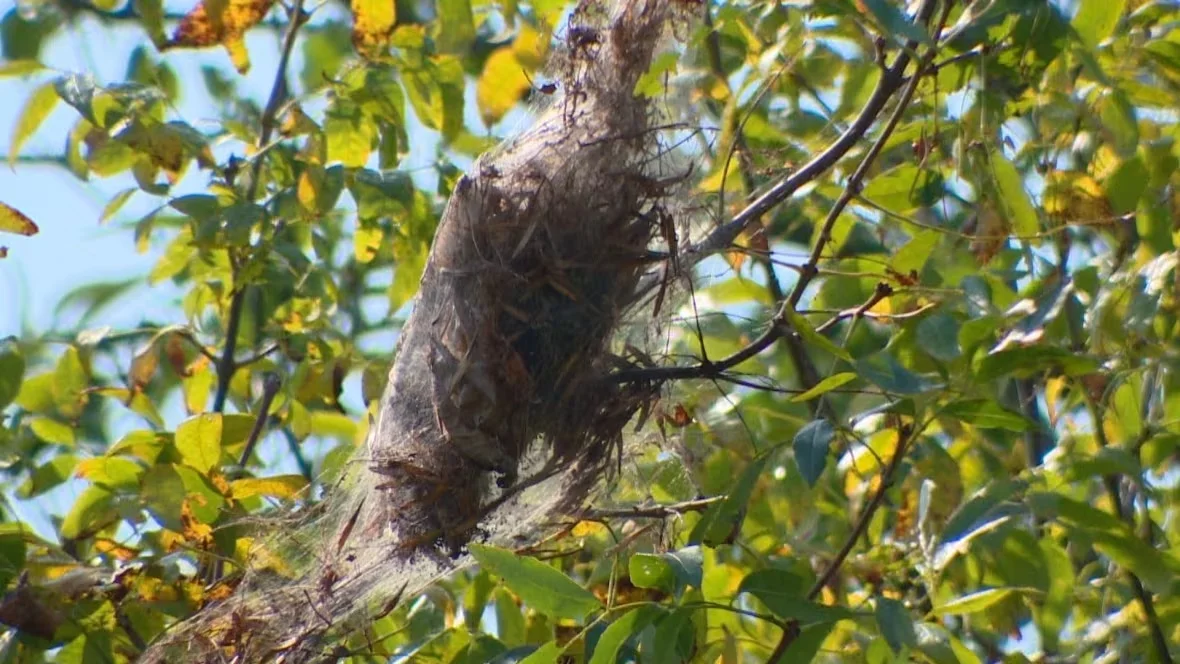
(920, 402)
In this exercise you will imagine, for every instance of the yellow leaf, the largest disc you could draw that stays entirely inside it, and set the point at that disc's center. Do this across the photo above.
(367, 242)
(373, 22)
(38, 107)
(221, 22)
(310, 186)
(530, 47)
(236, 48)
(279, 486)
(501, 85)
(13, 221)
(587, 529)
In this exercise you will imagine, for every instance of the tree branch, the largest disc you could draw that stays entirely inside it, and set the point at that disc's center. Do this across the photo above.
(791, 631)
(652, 511)
(891, 79)
(278, 92)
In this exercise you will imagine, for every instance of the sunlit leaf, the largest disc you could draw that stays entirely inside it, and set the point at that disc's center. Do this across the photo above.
(372, 26)
(38, 106)
(542, 586)
(456, 26)
(1096, 20)
(198, 439)
(502, 83)
(277, 486)
(1014, 200)
(13, 221)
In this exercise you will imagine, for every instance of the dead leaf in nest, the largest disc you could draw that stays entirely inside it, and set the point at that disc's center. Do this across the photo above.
(372, 26)
(222, 22)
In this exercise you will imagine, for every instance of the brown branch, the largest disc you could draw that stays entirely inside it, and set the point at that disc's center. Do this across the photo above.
(278, 92)
(891, 79)
(270, 387)
(652, 511)
(888, 475)
(1158, 639)
(882, 291)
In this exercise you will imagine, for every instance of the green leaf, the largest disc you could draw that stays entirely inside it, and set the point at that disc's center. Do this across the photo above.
(938, 336)
(198, 439)
(894, 22)
(92, 510)
(1016, 205)
(1032, 360)
(633, 622)
(510, 626)
(810, 336)
(884, 371)
(651, 571)
(117, 201)
(904, 188)
(811, 445)
(824, 386)
(806, 646)
(541, 586)
(38, 107)
(151, 16)
(52, 431)
(1096, 20)
(911, 257)
(112, 472)
(674, 642)
(896, 624)
(1126, 185)
(456, 26)
(546, 654)
(13, 552)
(1052, 613)
(782, 593)
(351, 135)
(70, 381)
(19, 68)
(1120, 117)
(724, 518)
(973, 603)
(652, 83)
(48, 476)
(1110, 536)
(12, 371)
(986, 414)
(672, 571)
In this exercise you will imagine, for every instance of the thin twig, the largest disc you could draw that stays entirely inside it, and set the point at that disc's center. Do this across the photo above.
(652, 511)
(227, 365)
(270, 387)
(791, 630)
(1158, 639)
(891, 79)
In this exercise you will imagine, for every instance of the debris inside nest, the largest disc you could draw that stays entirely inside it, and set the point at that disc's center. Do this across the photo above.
(500, 382)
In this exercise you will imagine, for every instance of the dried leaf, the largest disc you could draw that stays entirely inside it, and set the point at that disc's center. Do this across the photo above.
(221, 22)
(13, 221)
(372, 26)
